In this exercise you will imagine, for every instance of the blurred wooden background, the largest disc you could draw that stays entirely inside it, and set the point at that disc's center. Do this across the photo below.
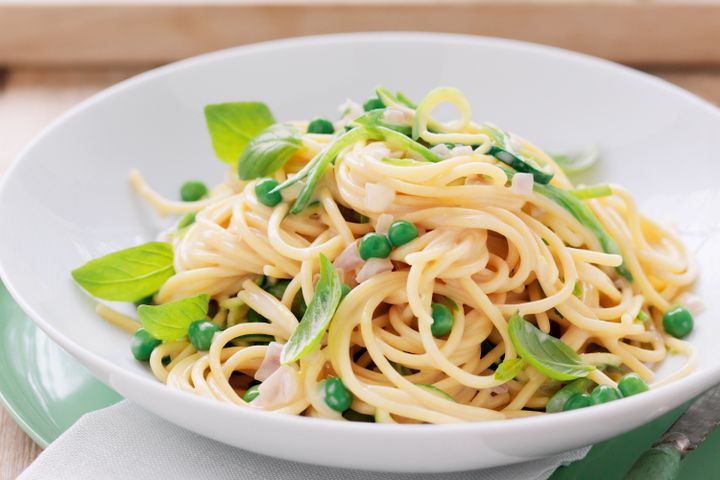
(55, 53)
(102, 32)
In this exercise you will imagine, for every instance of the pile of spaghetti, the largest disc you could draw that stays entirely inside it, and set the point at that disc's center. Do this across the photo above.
(392, 267)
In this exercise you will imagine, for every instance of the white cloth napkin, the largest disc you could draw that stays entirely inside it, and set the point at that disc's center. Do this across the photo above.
(126, 442)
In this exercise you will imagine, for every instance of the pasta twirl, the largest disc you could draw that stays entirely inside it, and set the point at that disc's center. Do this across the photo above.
(436, 271)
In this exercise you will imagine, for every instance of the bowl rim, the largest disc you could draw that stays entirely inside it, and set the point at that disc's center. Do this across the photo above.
(660, 398)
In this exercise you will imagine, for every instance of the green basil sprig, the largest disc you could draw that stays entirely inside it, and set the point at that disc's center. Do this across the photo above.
(549, 355)
(171, 320)
(127, 275)
(509, 369)
(269, 151)
(317, 317)
(233, 125)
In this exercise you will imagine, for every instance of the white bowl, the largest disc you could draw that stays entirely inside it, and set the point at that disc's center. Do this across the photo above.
(67, 199)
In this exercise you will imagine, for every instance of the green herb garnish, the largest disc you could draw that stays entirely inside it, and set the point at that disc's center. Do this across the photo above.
(269, 151)
(171, 320)
(549, 355)
(127, 275)
(509, 369)
(233, 125)
(317, 317)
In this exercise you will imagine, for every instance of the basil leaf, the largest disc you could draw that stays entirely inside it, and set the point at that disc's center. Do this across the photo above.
(233, 125)
(127, 275)
(318, 315)
(436, 391)
(549, 355)
(509, 369)
(171, 320)
(269, 151)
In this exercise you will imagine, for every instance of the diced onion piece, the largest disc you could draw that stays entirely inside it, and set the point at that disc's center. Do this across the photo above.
(270, 363)
(441, 150)
(349, 259)
(382, 225)
(461, 150)
(280, 388)
(522, 183)
(372, 267)
(378, 197)
(397, 116)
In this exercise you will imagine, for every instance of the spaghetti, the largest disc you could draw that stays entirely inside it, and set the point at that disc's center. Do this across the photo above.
(499, 233)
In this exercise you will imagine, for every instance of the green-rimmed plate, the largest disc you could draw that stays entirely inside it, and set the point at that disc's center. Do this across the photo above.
(42, 387)
(46, 391)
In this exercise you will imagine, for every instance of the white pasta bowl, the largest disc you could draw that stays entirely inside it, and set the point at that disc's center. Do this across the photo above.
(67, 199)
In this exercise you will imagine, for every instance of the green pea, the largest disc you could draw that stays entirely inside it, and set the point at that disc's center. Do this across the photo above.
(320, 125)
(251, 393)
(345, 289)
(201, 334)
(578, 400)
(373, 103)
(678, 321)
(402, 232)
(559, 399)
(336, 394)
(263, 192)
(604, 394)
(193, 190)
(255, 317)
(143, 344)
(632, 384)
(278, 289)
(374, 245)
(442, 320)
(187, 220)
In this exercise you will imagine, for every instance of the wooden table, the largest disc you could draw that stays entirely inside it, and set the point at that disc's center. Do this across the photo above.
(32, 97)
